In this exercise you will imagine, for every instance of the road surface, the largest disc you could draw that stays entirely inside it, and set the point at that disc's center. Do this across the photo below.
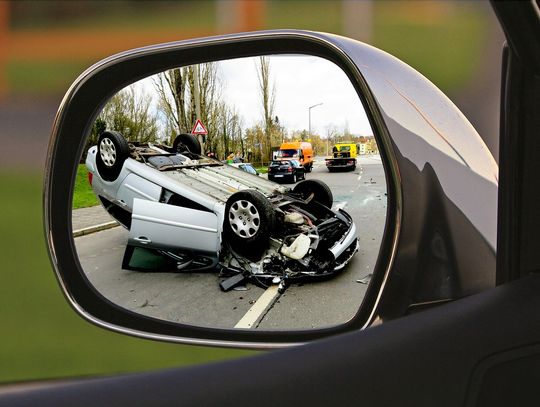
(195, 298)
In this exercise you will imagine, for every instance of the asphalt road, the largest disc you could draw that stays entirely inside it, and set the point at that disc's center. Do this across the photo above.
(195, 298)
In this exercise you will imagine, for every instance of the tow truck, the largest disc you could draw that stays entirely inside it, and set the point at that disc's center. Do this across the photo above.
(343, 157)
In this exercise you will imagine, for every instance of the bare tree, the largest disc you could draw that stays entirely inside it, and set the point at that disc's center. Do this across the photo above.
(173, 91)
(229, 134)
(176, 90)
(253, 143)
(268, 92)
(128, 112)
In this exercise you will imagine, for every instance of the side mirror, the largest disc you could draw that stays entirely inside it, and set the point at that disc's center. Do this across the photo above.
(398, 232)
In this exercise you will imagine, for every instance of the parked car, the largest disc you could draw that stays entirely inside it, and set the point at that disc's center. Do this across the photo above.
(204, 214)
(289, 171)
(247, 167)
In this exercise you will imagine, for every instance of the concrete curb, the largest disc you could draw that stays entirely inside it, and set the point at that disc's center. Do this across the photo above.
(95, 228)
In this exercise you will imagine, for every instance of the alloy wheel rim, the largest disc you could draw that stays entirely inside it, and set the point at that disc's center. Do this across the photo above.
(244, 219)
(107, 151)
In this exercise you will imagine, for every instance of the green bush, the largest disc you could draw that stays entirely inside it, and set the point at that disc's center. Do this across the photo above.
(43, 337)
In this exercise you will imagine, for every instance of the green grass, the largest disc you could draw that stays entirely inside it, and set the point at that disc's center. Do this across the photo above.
(444, 46)
(42, 337)
(83, 196)
(262, 170)
(42, 77)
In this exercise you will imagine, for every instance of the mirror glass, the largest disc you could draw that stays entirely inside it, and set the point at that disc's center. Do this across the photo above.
(246, 193)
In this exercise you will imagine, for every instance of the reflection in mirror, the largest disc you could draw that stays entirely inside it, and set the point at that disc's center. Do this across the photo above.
(246, 193)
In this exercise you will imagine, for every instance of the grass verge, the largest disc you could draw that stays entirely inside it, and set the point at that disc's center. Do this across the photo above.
(443, 41)
(43, 338)
(83, 195)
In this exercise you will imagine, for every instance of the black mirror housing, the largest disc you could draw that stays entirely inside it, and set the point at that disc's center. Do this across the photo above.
(441, 183)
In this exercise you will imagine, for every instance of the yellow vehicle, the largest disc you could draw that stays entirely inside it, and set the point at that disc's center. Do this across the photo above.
(343, 157)
(298, 150)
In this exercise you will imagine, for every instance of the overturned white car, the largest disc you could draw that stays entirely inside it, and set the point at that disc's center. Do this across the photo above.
(201, 214)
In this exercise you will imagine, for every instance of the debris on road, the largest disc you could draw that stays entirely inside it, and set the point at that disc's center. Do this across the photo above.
(365, 280)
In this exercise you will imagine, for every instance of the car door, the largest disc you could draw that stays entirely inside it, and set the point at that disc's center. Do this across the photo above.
(169, 227)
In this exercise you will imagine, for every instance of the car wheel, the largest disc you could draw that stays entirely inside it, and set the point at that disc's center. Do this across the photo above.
(249, 220)
(315, 190)
(112, 151)
(294, 179)
(187, 143)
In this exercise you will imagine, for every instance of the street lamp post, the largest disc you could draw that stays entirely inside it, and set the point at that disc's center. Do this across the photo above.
(309, 111)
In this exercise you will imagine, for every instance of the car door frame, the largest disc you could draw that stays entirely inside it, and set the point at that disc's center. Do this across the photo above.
(463, 353)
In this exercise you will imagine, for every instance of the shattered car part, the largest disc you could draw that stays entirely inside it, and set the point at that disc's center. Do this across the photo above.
(206, 215)
(298, 249)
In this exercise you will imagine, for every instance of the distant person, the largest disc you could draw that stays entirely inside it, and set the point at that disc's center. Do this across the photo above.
(238, 158)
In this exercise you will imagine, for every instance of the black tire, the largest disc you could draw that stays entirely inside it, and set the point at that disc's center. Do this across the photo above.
(112, 151)
(186, 142)
(249, 220)
(294, 178)
(309, 167)
(315, 190)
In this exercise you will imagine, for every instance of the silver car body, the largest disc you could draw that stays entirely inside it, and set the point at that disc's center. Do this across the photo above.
(141, 188)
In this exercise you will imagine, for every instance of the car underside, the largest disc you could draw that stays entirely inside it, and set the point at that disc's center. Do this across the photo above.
(203, 215)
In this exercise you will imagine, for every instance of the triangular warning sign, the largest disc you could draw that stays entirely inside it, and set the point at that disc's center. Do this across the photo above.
(199, 128)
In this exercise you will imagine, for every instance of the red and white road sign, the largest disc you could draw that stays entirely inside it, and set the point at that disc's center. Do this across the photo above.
(199, 128)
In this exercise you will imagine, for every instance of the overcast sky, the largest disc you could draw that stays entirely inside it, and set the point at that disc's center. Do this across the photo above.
(300, 81)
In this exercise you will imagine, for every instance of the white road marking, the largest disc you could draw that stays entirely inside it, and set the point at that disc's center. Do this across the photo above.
(359, 177)
(257, 310)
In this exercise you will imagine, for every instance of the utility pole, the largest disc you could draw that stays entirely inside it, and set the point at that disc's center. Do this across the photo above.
(309, 112)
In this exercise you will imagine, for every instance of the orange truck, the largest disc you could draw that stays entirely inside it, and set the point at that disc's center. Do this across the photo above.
(297, 150)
